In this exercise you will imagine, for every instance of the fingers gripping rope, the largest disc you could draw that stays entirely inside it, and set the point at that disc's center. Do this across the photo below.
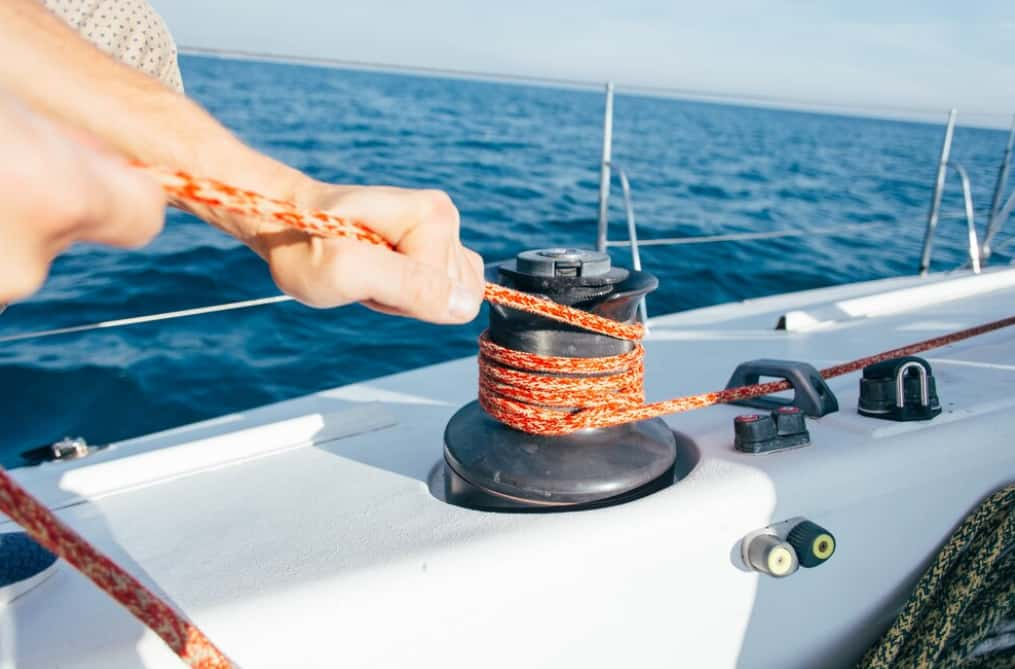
(533, 393)
(187, 189)
(538, 394)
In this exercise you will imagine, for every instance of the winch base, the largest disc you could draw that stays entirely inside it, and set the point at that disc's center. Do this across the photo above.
(493, 467)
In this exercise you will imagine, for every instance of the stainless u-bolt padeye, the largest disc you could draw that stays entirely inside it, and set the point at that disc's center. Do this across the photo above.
(900, 377)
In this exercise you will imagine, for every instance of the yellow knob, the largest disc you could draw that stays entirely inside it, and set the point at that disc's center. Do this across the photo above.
(823, 546)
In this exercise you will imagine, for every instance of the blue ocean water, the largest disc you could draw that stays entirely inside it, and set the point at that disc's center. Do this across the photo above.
(521, 162)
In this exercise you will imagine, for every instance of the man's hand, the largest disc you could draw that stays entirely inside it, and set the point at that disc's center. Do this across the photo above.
(429, 275)
(55, 190)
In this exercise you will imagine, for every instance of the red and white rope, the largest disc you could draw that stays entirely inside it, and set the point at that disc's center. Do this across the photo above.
(529, 392)
(533, 393)
(184, 638)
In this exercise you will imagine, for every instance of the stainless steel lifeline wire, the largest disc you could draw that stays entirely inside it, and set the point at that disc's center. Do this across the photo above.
(275, 299)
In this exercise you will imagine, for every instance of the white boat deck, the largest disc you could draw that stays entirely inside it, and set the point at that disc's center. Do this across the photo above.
(305, 533)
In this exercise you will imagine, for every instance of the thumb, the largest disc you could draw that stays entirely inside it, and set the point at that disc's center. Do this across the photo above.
(326, 273)
(409, 287)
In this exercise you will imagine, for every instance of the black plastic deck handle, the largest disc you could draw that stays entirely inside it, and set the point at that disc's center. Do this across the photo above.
(810, 392)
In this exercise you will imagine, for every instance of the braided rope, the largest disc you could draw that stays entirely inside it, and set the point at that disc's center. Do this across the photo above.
(539, 394)
(958, 611)
(536, 394)
(516, 398)
(182, 637)
(254, 206)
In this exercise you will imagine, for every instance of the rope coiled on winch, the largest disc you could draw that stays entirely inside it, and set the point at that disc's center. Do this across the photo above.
(538, 394)
(535, 393)
(962, 611)
(613, 395)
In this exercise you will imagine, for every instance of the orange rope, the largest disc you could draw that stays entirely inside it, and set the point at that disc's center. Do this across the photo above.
(533, 393)
(518, 402)
(185, 639)
(217, 195)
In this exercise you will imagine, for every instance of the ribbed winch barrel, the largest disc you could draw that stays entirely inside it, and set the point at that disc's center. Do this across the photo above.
(489, 465)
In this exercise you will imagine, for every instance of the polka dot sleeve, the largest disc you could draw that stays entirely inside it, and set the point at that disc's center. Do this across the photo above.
(129, 30)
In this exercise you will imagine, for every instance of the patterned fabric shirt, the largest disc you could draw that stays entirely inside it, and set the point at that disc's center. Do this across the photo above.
(129, 30)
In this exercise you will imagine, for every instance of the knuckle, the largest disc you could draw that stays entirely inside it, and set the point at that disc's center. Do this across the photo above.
(153, 216)
(28, 279)
(34, 281)
(153, 224)
(144, 232)
(71, 209)
(140, 207)
(439, 208)
(474, 258)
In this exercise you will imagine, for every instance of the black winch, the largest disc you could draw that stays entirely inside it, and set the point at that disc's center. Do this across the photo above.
(491, 466)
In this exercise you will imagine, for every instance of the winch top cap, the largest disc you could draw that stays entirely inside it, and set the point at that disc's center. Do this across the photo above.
(562, 262)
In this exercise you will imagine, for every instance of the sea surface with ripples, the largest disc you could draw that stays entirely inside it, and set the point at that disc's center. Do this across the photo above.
(521, 162)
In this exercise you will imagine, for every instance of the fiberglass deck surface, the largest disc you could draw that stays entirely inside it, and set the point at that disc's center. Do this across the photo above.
(315, 540)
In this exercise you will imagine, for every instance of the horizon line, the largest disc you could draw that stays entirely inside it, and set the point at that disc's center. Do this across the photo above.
(991, 120)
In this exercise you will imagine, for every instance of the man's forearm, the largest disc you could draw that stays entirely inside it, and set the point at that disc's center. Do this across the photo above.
(49, 66)
(427, 274)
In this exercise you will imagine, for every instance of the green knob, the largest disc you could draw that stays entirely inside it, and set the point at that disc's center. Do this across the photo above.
(813, 544)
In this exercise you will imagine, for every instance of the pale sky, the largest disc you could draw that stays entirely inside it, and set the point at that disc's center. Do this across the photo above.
(931, 54)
